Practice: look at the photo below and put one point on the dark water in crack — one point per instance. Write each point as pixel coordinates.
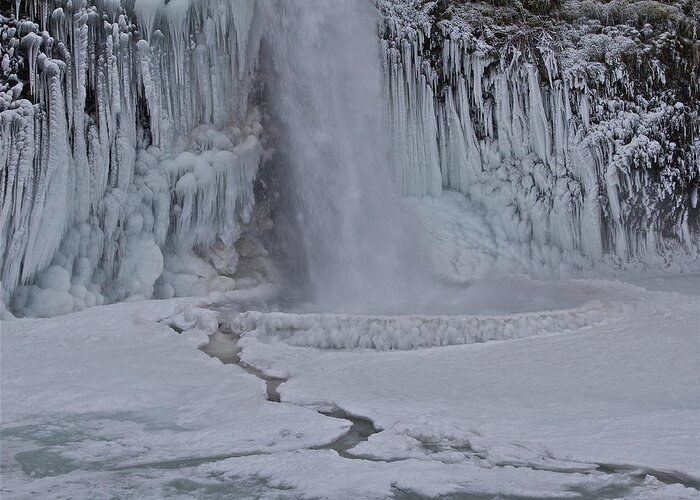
(224, 347)
(359, 432)
(666, 477)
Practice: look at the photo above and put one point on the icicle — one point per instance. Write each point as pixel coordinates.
(571, 144)
(88, 192)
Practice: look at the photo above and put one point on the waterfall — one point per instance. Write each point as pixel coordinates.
(328, 97)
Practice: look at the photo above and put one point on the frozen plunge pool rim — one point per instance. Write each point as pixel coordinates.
(449, 315)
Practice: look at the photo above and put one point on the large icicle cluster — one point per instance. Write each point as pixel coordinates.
(127, 136)
(130, 139)
(577, 139)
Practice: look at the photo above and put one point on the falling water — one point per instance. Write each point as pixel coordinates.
(328, 101)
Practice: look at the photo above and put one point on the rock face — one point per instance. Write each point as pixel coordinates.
(575, 131)
(131, 136)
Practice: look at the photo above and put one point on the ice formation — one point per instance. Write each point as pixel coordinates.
(581, 141)
(593, 302)
(133, 138)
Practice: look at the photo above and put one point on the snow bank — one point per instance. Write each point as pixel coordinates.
(109, 403)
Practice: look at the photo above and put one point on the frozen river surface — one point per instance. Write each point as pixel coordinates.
(593, 397)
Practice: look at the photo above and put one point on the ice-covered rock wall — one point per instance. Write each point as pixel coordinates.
(128, 143)
(130, 136)
(576, 133)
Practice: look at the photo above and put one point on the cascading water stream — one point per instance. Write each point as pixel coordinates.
(327, 96)
(362, 244)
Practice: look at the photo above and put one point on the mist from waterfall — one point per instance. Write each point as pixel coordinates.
(327, 97)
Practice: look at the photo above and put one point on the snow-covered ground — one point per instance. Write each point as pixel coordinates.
(111, 390)
(111, 402)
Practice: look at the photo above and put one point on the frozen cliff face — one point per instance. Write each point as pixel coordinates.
(131, 138)
(575, 134)
(127, 134)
